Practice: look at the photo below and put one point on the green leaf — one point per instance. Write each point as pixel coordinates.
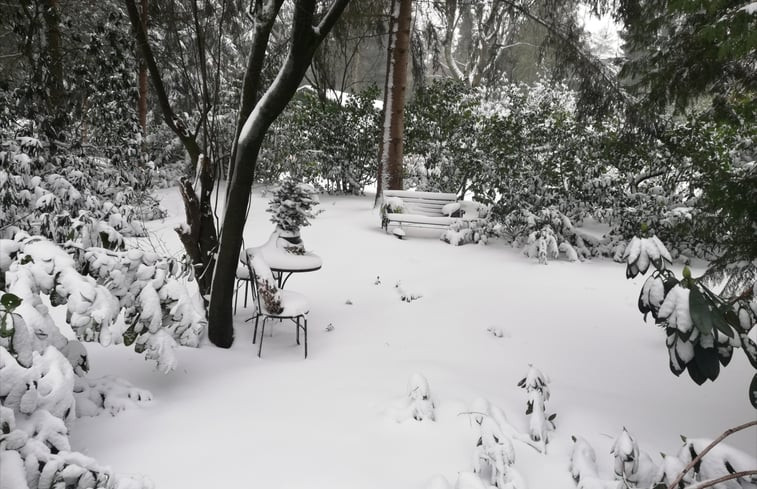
(753, 391)
(10, 301)
(701, 311)
(707, 361)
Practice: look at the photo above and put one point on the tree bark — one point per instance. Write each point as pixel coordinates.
(394, 102)
(264, 17)
(382, 159)
(142, 102)
(55, 95)
(305, 39)
(199, 238)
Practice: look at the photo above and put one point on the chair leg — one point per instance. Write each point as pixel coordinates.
(236, 296)
(306, 336)
(246, 291)
(255, 331)
(262, 333)
(297, 322)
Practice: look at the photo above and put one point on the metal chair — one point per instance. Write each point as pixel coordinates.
(271, 302)
(243, 280)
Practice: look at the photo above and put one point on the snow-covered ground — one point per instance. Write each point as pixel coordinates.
(226, 418)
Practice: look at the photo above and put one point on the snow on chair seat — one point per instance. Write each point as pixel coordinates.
(271, 302)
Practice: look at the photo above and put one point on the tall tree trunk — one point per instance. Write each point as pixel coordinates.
(394, 98)
(55, 95)
(142, 102)
(199, 237)
(305, 39)
(264, 17)
(382, 159)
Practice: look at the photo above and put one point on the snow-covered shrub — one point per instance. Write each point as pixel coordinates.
(292, 205)
(545, 234)
(394, 205)
(537, 392)
(630, 464)
(407, 294)
(327, 139)
(69, 197)
(702, 328)
(720, 461)
(121, 300)
(583, 467)
(461, 232)
(421, 405)
(40, 394)
(127, 297)
(494, 455)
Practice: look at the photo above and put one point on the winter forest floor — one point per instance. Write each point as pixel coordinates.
(226, 418)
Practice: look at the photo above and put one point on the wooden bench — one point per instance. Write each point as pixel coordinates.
(423, 209)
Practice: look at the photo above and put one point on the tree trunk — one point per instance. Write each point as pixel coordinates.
(394, 98)
(382, 159)
(263, 21)
(305, 40)
(55, 95)
(142, 102)
(199, 237)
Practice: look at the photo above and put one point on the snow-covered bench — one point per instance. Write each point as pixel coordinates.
(425, 209)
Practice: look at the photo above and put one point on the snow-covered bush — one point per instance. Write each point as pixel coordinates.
(329, 140)
(631, 465)
(126, 297)
(292, 205)
(722, 460)
(702, 328)
(494, 455)
(417, 405)
(122, 298)
(421, 405)
(40, 393)
(477, 231)
(64, 196)
(545, 234)
(583, 467)
(536, 385)
(634, 468)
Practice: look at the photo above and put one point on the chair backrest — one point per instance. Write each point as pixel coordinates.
(264, 288)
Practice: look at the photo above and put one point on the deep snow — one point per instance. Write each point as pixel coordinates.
(226, 418)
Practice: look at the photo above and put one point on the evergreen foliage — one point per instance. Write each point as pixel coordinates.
(292, 205)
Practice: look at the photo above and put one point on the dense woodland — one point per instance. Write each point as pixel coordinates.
(512, 104)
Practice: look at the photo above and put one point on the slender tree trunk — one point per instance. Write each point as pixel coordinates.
(142, 102)
(55, 95)
(305, 40)
(394, 99)
(199, 237)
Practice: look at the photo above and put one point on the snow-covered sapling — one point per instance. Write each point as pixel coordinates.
(631, 465)
(494, 454)
(421, 406)
(537, 391)
(583, 467)
(405, 294)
